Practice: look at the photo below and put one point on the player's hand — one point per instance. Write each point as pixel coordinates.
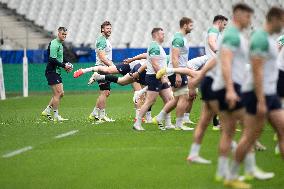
(232, 98)
(192, 93)
(68, 67)
(127, 61)
(261, 108)
(164, 79)
(178, 81)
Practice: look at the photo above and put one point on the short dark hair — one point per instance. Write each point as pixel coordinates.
(61, 28)
(105, 23)
(243, 7)
(219, 17)
(184, 20)
(274, 12)
(155, 30)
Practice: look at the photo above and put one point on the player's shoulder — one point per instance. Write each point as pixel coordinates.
(212, 30)
(280, 40)
(178, 40)
(154, 48)
(231, 36)
(259, 39)
(101, 39)
(55, 43)
(231, 31)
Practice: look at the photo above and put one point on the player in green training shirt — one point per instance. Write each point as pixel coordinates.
(53, 73)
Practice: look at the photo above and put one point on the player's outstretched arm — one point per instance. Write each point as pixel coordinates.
(138, 57)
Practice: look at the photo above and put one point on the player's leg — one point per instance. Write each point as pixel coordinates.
(58, 93)
(205, 118)
(184, 71)
(102, 69)
(276, 118)
(228, 123)
(151, 97)
(166, 95)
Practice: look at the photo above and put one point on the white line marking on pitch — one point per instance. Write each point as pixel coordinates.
(66, 134)
(16, 152)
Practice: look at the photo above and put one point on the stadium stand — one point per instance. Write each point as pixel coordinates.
(132, 20)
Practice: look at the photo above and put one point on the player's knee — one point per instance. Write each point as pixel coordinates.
(107, 93)
(61, 94)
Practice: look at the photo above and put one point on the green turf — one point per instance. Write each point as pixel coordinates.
(109, 155)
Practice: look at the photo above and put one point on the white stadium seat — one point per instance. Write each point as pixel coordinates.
(130, 19)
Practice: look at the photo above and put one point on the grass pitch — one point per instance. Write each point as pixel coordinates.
(109, 155)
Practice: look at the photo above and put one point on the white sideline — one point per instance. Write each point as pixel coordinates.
(16, 152)
(66, 134)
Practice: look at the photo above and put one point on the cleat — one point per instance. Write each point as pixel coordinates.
(216, 128)
(59, 119)
(197, 159)
(171, 126)
(219, 178)
(78, 73)
(155, 121)
(138, 127)
(188, 121)
(93, 118)
(161, 127)
(107, 119)
(258, 174)
(259, 147)
(236, 184)
(161, 73)
(93, 78)
(184, 128)
(46, 115)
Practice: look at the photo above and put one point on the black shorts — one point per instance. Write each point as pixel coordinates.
(250, 101)
(123, 69)
(104, 85)
(172, 79)
(280, 84)
(207, 93)
(155, 84)
(53, 78)
(220, 96)
(142, 75)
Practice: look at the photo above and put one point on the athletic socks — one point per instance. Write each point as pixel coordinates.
(194, 151)
(234, 171)
(170, 70)
(161, 116)
(137, 113)
(168, 120)
(179, 121)
(102, 113)
(91, 69)
(96, 111)
(249, 162)
(223, 166)
(55, 113)
(48, 109)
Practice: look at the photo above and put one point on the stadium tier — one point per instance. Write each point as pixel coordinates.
(132, 20)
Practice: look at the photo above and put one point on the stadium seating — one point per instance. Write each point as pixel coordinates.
(132, 20)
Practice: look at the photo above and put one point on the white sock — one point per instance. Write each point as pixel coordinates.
(101, 77)
(55, 113)
(137, 113)
(148, 115)
(223, 166)
(170, 70)
(250, 162)
(168, 120)
(234, 171)
(86, 70)
(161, 116)
(282, 102)
(48, 109)
(179, 121)
(142, 91)
(96, 111)
(138, 121)
(194, 151)
(186, 116)
(102, 113)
